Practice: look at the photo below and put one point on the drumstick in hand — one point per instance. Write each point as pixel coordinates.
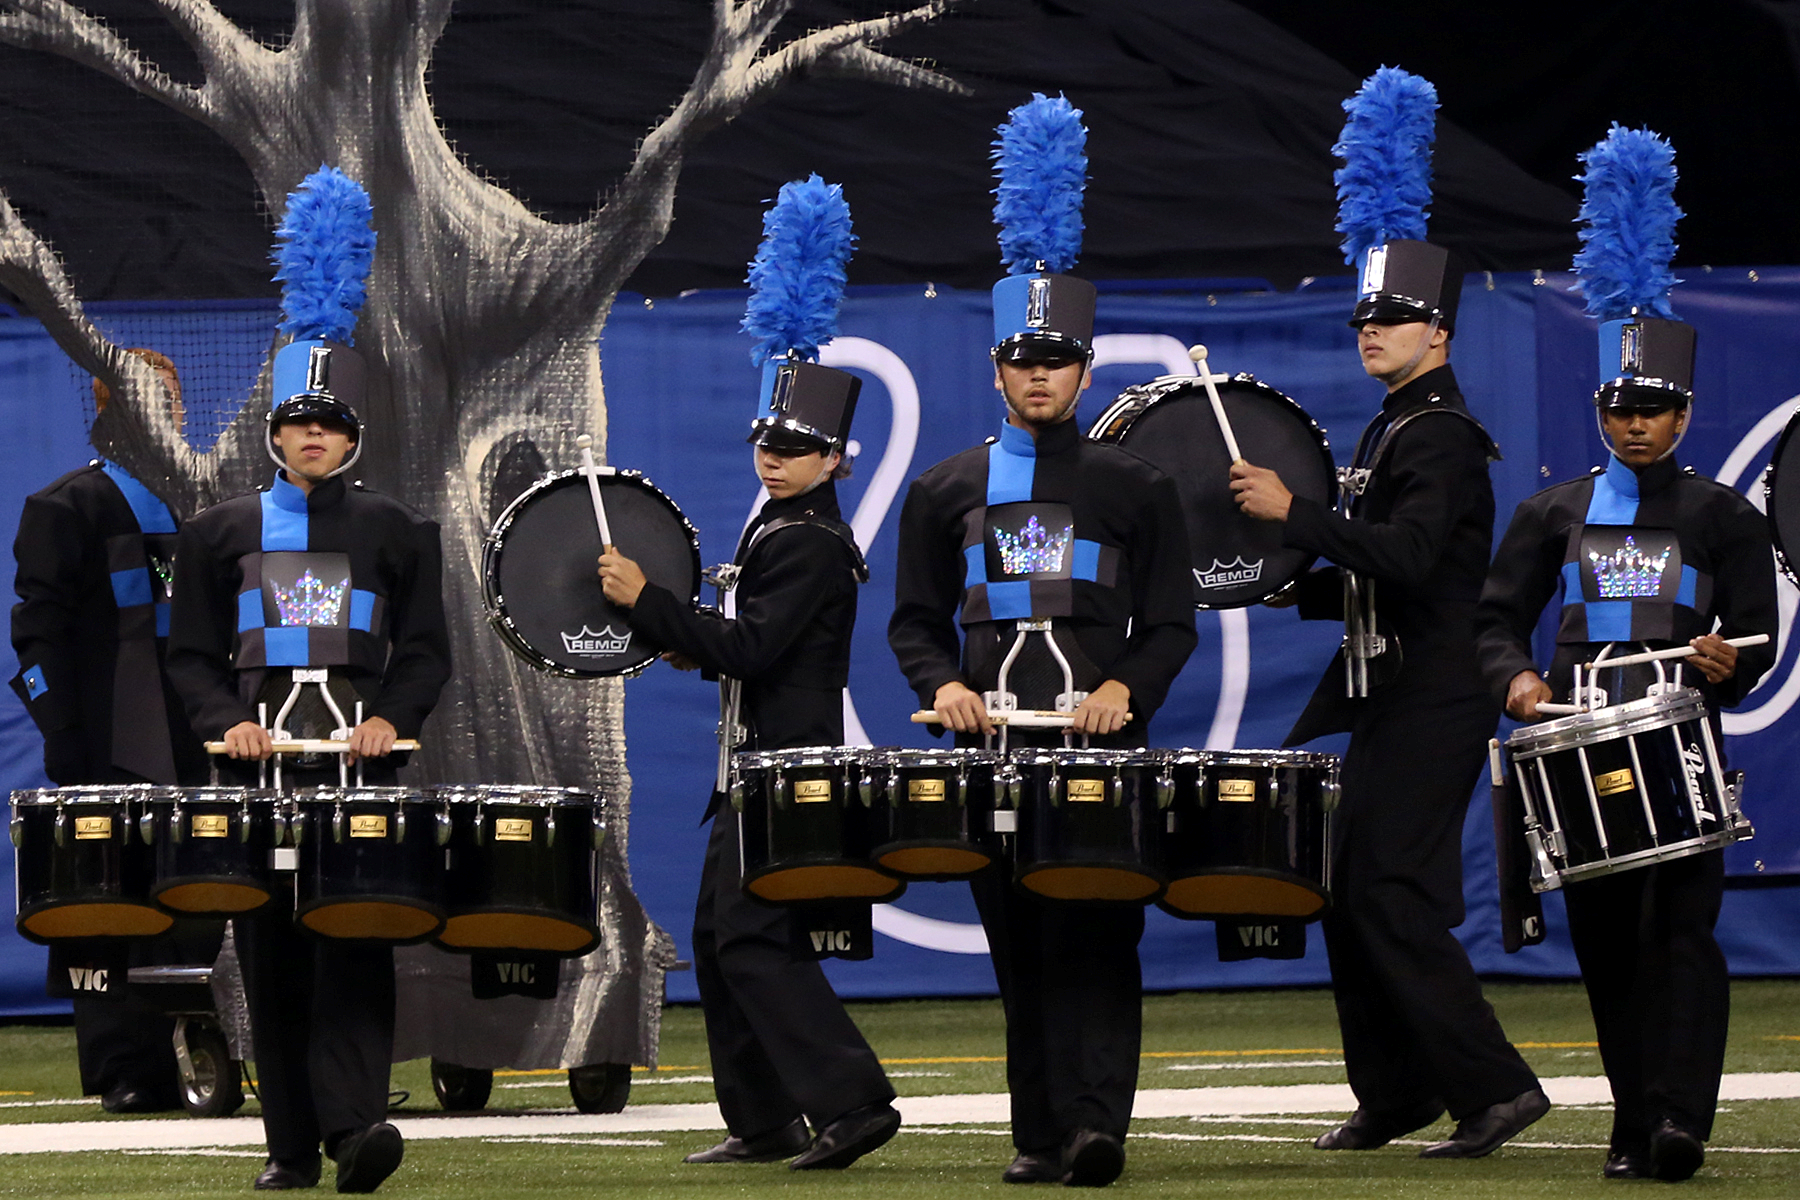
(585, 444)
(1197, 354)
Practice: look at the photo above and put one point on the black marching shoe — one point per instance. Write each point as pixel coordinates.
(1484, 1132)
(366, 1158)
(1621, 1164)
(1045, 1166)
(1367, 1130)
(778, 1144)
(1675, 1154)
(849, 1138)
(127, 1098)
(278, 1176)
(1092, 1159)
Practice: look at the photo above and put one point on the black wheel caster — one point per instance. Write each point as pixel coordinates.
(211, 1083)
(601, 1088)
(461, 1089)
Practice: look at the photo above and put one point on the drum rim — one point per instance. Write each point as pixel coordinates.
(493, 546)
(89, 793)
(758, 760)
(1686, 848)
(331, 794)
(955, 755)
(221, 794)
(1127, 407)
(1256, 758)
(1580, 730)
(1782, 557)
(1038, 756)
(546, 797)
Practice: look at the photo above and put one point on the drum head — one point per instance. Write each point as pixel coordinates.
(541, 583)
(1237, 560)
(1782, 499)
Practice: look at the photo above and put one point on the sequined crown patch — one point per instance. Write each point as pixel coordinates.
(1033, 549)
(311, 601)
(1628, 573)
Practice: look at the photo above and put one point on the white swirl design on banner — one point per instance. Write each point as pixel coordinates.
(1776, 704)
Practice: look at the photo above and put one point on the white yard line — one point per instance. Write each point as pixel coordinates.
(925, 1114)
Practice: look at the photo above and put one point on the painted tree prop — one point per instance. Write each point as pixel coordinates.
(480, 329)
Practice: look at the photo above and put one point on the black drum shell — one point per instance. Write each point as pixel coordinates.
(1237, 560)
(1262, 854)
(386, 889)
(86, 886)
(942, 830)
(203, 873)
(797, 851)
(1103, 851)
(537, 893)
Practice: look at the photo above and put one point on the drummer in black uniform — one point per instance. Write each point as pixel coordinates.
(1655, 976)
(1410, 555)
(1121, 607)
(314, 572)
(783, 1048)
(94, 552)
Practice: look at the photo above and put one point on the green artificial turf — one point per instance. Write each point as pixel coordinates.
(945, 1046)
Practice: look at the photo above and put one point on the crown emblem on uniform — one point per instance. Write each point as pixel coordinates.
(1033, 549)
(311, 601)
(605, 642)
(1628, 572)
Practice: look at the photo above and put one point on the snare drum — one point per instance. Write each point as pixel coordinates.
(371, 863)
(934, 811)
(1249, 833)
(1088, 823)
(805, 826)
(1237, 560)
(541, 586)
(1623, 787)
(211, 847)
(521, 872)
(80, 867)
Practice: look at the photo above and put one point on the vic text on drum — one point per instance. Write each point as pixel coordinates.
(1642, 552)
(316, 584)
(95, 551)
(1409, 546)
(1040, 534)
(784, 1051)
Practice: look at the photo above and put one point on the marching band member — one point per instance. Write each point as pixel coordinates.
(783, 1048)
(1410, 555)
(314, 572)
(1643, 551)
(94, 552)
(1115, 583)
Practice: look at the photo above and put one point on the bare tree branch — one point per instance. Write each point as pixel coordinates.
(61, 28)
(138, 425)
(217, 41)
(774, 69)
(860, 62)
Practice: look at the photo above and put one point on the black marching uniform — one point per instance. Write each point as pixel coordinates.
(338, 577)
(1417, 1031)
(783, 1047)
(1655, 976)
(94, 553)
(1068, 973)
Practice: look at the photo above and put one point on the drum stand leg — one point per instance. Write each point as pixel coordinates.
(319, 677)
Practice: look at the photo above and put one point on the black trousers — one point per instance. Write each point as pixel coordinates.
(1073, 993)
(322, 1020)
(1415, 1025)
(1659, 989)
(782, 1045)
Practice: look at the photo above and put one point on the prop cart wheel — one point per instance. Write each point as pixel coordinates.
(601, 1088)
(461, 1089)
(211, 1084)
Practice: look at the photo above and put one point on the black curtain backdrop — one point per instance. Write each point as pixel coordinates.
(1210, 127)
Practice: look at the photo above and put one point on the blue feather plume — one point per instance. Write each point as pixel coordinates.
(797, 278)
(1041, 158)
(1384, 186)
(1628, 213)
(326, 246)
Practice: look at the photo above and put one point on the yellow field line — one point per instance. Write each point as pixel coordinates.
(1784, 1037)
(1557, 1045)
(18, 1093)
(562, 1071)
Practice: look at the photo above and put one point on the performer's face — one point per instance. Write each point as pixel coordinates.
(312, 449)
(1388, 350)
(1041, 392)
(1640, 438)
(785, 473)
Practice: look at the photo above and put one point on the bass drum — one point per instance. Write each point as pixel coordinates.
(1781, 499)
(1169, 423)
(540, 576)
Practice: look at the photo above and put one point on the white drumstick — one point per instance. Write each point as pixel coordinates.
(1632, 660)
(585, 444)
(1197, 354)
